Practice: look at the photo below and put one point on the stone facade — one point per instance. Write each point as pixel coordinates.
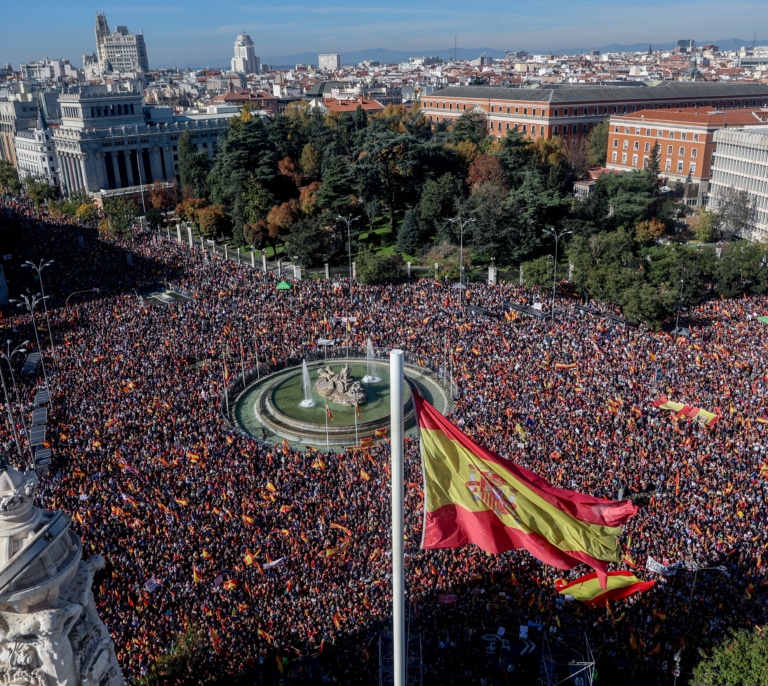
(36, 154)
(50, 632)
(109, 140)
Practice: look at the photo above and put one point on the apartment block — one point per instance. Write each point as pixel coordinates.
(741, 164)
(686, 140)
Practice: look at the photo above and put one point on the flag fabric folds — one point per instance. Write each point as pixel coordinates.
(587, 588)
(474, 496)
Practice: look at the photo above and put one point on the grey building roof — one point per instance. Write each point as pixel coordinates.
(640, 91)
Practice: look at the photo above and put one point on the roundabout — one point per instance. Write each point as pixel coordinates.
(287, 404)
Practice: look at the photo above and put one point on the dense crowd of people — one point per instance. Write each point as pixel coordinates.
(278, 555)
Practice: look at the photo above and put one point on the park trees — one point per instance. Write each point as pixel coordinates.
(597, 145)
(120, 214)
(9, 178)
(38, 190)
(194, 166)
(741, 659)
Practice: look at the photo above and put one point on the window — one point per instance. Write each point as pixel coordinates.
(636, 145)
(575, 128)
(695, 137)
(616, 129)
(614, 156)
(584, 128)
(634, 160)
(682, 152)
(647, 147)
(682, 135)
(565, 112)
(679, 166)
(525, 110)
(625, 145)
(647, 132)
(694, 153)
(557, 113)
(554, 132)
(668, 165)
(692, 169)
(637, 131)
(671, 134)
(623, 158)
(669, 150)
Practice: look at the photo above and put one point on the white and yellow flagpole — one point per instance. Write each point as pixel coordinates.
(396, 379)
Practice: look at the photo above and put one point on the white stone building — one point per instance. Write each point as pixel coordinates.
(329, 61)
(50, 631)
(245, 60)
(119, 51)
(36, 152)
(108, 141)
(741, 164)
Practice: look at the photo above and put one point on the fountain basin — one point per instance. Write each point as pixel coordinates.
(273, 405)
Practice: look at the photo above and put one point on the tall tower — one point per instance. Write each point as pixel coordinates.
(245, 60)
(102, 32)
(50, 632)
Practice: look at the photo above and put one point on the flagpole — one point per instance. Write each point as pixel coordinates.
(357, 439)
(327, 439)
(398, 450)
(226, 391)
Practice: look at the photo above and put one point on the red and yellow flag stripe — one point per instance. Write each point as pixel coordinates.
(587, 588)
(474, 496)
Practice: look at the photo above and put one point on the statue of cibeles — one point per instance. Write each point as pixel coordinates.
(340, 388)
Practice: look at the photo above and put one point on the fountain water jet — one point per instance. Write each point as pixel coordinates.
(307, 385)
(370, 365)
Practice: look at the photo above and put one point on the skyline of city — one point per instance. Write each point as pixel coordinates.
(191, 34)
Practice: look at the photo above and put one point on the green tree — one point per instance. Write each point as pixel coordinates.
(180, 665)
(741, 269)
(337, 194)
(9, 178)
(438, 203)
(310, 162)
(539, 272)
(313, 243)
(388, 167)
(410, 237)
(120, 213)
(652, 169)
(703, 225)
(597, 145)
(473, 127)
(734, 215)
(194, 165)
(38, 190)
(87, 212)
(740, 660)
(373, 268)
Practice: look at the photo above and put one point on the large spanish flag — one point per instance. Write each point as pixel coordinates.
(587, 588)
(474, 496)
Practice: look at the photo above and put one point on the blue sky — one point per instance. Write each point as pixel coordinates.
(200, 32)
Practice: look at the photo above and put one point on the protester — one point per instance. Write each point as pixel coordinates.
(205, 527)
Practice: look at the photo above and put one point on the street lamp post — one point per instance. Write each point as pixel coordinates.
(30, 304)
(86, 290)
(557, 235)
(679, 307)
(348, 221)
(8, 357)
(38, 268)
(462, 223)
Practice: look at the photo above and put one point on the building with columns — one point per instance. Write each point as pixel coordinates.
(109, 141)
(35, 152)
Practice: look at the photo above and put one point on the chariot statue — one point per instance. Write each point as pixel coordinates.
(340, 387)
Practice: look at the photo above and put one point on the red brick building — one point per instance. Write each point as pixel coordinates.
(686, 143)
(574, 109)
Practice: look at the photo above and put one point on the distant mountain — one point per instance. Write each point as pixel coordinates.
(385, 56)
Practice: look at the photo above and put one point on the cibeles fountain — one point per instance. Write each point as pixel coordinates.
(331, 401)
(50, 632)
